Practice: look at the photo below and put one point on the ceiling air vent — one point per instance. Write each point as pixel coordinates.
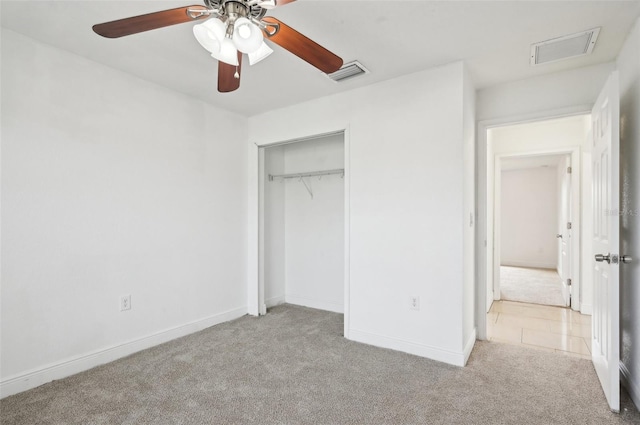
(348, 70)
(560, 48)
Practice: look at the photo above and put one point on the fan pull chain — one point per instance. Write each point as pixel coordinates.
(236, 75)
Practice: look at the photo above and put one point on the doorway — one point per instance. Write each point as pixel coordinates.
(538, 138)
(302, 218)
(599, 153)
(533, 207)
(534, 261)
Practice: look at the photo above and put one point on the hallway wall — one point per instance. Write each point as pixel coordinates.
(529, 218)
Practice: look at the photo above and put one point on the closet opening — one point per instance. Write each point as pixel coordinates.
(302, 222)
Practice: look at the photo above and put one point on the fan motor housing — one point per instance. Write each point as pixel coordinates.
(235, 6)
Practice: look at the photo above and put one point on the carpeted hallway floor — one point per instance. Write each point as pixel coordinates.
(293, 367)
(528, 285)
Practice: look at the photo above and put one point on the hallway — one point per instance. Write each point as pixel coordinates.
(529, 285)
(547, 328)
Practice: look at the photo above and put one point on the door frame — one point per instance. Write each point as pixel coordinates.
(255, 271)
(575, 154)
(566, 213)
(481, 191)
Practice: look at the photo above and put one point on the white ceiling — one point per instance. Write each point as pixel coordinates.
(391, 38)
(532, 161)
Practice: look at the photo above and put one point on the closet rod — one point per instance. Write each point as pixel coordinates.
(309, 174)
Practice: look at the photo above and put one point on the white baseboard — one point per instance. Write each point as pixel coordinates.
(528, 264)
(632, 386)
(468, 347)
(274, 301)
(36, 377)
(314, 303)
(586, 309)
(442, 355)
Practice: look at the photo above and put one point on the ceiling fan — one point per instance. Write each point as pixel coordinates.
(229, 29)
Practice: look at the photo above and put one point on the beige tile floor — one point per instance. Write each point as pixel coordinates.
(554, 329)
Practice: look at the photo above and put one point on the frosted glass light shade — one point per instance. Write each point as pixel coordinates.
(227, 53)
(247, 37)
(262, 52)
(210, 34)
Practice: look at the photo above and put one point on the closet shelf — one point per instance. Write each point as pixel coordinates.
(308, 174)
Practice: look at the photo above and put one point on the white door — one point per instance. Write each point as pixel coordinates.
(565, 233)
(605, 349)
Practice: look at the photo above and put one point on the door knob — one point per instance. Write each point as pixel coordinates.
(600, 258)
(559, 236)
(625, 259)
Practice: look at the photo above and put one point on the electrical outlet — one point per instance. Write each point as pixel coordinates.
(125, 302)
(414, 303)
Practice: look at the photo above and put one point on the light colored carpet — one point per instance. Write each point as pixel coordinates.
(293, 367)
(536, 286)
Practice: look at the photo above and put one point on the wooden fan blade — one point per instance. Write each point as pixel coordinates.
(226, 75)
(301, 46)
(283, 2)
(150, 21)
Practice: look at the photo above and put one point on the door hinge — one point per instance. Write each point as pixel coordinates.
(569, 225)
(569, 170)
(570, 292)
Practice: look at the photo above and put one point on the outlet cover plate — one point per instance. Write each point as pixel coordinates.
(414, 303)
(125, 302)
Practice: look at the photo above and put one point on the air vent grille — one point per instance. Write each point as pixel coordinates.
(566, 47)
(348, 70)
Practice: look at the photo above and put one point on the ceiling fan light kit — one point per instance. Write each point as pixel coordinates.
(210, 34)
(231, 28)
(227, 53)
(263, 51)
(247, 36)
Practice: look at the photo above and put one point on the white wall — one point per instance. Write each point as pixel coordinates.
(544, 136)
(405, 157)
(314, 232)
(111, 186)
(629, 69)
(469, 207)
(529, 217)
(550, 92)
(274, 228)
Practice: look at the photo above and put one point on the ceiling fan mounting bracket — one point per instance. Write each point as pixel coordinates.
(252, 10)
(235, 9)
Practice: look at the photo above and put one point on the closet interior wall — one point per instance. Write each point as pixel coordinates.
(304, 225)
